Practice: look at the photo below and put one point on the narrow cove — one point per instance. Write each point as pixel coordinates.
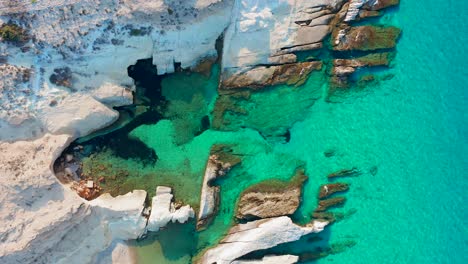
(175, 121)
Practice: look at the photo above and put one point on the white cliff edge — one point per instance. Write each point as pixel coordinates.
(89, 45)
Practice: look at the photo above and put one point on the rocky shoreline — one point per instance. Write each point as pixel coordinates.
(63, 68)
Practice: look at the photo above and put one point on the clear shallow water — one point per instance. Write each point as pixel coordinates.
(412, 128)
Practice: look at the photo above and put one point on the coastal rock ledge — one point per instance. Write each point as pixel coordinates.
(256, 235)
(271, 198)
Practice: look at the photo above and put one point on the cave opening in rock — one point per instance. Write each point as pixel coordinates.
(147, 108)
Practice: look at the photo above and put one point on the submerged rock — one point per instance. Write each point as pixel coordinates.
(371, 60)
(261, 76)
(261, 234)
(163, 210)
(344, 173)
(324, 205)
(271, 198)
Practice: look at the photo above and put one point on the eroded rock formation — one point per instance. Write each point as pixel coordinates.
(219, 163)
(261, 234)
(44, 106)
(271, 198)
(163, 210)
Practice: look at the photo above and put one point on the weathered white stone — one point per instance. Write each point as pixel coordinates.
(354, 7)
(261, 29)
(163, 210)
(209, 197)
(261, 234)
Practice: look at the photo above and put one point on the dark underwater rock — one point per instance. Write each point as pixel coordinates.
(324, 205)
(345, 173)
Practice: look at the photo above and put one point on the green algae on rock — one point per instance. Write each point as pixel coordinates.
(13, 33)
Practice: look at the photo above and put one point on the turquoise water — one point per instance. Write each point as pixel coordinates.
(407, 135)
(413, 128)
(410, 131)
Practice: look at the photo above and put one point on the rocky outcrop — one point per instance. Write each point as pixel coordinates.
(271, 198)
(50, 219)
(59, 79)
(365, 38)
(261, 234)
(269, 33)
(325, 204)
(85, 47)
(163, 210)
(259, 77)
(284, 259)
(327, 190)
(344, 68)
(124, 213)
(219, 163)
(380, 4)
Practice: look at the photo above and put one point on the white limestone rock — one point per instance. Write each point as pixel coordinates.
(354, 8)
(123, 213)
(45, 221)
(77, 115)
(118, 253)
(163, 211)
(261, 29)
(270, 259)
(261, 234)
(96, 41)
(209, 197)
